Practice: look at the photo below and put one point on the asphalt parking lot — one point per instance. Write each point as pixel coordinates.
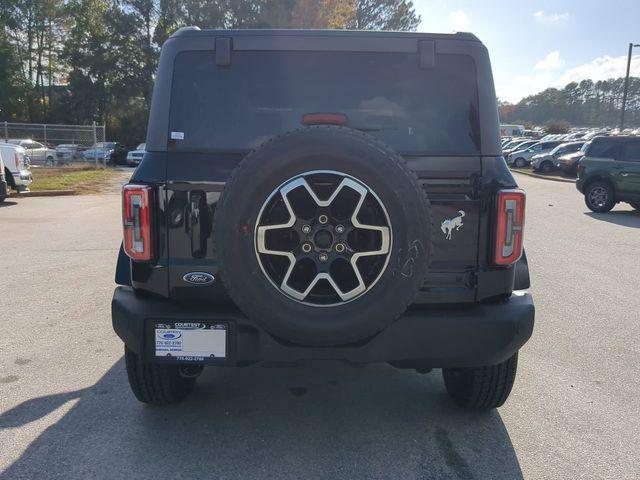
(66, 410)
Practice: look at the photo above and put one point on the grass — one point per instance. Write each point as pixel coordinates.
(81, 179)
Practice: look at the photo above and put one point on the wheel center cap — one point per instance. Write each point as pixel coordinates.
(323, 239)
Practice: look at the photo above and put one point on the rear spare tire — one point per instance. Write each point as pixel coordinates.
(322, 236)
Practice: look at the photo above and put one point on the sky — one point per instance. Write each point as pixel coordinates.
(535, 45)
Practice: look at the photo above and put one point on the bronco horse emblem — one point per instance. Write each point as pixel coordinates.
(448, 225)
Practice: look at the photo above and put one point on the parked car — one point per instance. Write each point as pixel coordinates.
(522, 158)
(108, 152)
(546, 162)
(4, 189)
(569, 163)
(323, 231)
(16, 166)
(39, 154)
(69, 152)
(505, 140)
(134, 156)
(516, 145)
(610, 173)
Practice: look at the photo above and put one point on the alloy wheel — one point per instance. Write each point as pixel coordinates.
(323, 238)
(598, 196)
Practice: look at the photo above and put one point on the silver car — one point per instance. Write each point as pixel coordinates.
(522, 158)
(38, 153)
(546, 162)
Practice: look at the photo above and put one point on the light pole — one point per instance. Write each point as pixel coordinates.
(626, 86)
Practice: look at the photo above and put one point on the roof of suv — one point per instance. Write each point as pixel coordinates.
(192, 31)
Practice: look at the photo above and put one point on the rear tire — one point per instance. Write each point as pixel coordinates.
(9, 178)
(599, 197)
(155, 383)
(481, 387)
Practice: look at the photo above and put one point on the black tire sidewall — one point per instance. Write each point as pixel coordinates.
(351, 153)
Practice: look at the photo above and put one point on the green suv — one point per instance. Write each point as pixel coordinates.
(610, 173)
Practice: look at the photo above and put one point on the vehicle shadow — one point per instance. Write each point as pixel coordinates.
(7, 203)
(625, 218)
(315, 421)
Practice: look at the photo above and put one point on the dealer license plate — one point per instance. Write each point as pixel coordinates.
(191, 341)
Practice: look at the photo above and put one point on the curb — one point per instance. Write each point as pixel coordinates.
(553, 179)
(43, 193)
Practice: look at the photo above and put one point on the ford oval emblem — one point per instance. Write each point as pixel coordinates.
(198, 278)
(169, 334)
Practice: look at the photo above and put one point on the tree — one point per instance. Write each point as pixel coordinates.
(385, 15)
(145, 14)
(557, 126)
(78, 61)
(585, 103)
(13, 85)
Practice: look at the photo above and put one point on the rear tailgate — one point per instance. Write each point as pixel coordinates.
(417, 96)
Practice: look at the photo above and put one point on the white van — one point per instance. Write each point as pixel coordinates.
(4, 191)
(16, 166)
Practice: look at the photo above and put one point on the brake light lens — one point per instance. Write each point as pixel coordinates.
(509, 226)
(137, 222)
(325, 119)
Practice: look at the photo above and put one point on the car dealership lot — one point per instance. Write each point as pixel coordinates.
(67, 412)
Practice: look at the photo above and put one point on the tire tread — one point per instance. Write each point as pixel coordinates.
(483, 387)
(156, 384)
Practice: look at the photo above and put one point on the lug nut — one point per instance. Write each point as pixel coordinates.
(323, 219)
(339, 229)
(306, 229)
(306, 247)
(340, 247)
(323, 257)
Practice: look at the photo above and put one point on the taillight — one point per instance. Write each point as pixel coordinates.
(509, 226)
(325, 119)
(137, 222)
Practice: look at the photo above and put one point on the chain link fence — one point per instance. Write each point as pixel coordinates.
(53, 144)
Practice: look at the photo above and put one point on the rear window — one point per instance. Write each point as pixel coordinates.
(262, 94)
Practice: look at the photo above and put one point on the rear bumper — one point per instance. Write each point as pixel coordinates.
(431, 337)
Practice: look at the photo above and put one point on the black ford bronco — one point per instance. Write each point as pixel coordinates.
(333, 195)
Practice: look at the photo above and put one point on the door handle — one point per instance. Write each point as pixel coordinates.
(198, 220)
